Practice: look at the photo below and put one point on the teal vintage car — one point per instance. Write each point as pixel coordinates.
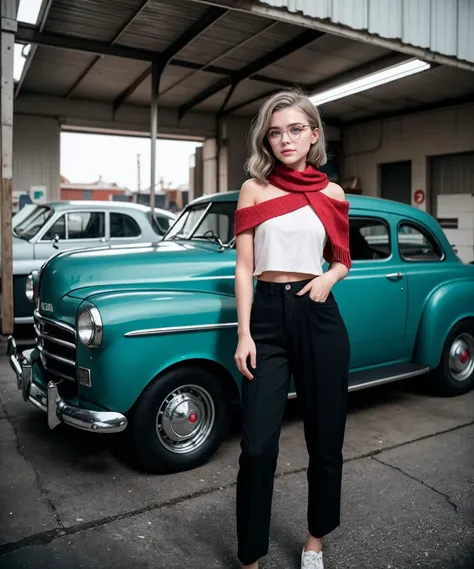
(141, 339)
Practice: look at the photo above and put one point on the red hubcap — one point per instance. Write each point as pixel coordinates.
(464, 357)
(192, 418)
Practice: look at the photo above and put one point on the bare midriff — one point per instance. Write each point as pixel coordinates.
(279, 277)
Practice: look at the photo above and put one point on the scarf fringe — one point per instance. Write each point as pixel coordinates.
(335, 253)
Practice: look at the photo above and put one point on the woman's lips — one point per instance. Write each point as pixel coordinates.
(287, 151)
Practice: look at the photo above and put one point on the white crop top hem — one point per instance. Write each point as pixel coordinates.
(291, 243)
(280, 269)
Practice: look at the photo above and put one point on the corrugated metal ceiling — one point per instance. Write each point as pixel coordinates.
(443, 27)
(233, 41)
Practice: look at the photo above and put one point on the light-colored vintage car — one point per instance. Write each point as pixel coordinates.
(142, 339)
(44, 230)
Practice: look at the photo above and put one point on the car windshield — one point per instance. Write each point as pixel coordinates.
(208, 221)
(33, 222)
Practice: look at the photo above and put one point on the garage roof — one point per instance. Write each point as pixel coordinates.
(216, 59)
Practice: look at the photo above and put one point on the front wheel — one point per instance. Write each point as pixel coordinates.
(179, 421)
(455, 373)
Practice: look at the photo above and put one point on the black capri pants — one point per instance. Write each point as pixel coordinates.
(294, 335)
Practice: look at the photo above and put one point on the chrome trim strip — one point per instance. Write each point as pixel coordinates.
(24, 320)
(381, 381)
(388, 379)
(53, 339)
(55, 357)
(59, 374)
(57, 323)
(177, 329)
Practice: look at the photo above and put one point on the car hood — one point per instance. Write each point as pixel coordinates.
(83, 273)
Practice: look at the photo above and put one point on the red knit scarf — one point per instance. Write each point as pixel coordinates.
(303, 188)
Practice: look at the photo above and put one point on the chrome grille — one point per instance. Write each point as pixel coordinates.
(57, 347)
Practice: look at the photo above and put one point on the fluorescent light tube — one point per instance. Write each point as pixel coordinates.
(370, 81)
(28, 11)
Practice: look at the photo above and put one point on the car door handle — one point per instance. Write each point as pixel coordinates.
(394, 276)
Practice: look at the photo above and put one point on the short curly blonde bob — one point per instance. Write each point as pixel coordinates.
(261, 160)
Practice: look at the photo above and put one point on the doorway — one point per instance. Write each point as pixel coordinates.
(395, 181)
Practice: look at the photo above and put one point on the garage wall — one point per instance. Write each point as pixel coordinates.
(36, 154)
(412, 137)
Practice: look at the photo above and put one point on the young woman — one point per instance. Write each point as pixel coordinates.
(289, 220)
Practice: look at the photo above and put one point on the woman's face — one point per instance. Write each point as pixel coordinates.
(290, 137)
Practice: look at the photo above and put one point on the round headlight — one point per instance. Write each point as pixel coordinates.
(29, 288)
(89, 327)
(32, 286)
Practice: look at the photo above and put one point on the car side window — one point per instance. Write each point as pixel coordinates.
(58, 228)
(417, 244)
(122, 225)
(86, 225)
(369, 239)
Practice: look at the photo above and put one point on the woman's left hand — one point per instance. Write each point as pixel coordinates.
(319, 288)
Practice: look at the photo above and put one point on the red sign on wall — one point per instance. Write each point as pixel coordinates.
(419, 196)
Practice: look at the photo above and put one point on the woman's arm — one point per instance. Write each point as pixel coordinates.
(337, 271)
(244, 285)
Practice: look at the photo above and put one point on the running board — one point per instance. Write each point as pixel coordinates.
(378, 376)
(387, 374)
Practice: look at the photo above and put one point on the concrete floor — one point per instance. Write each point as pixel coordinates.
(68, 500)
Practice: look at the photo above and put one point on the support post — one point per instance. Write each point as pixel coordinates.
(8, 29)
(155, 90)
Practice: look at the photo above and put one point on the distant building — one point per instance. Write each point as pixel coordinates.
(166, 197)
(99, 190)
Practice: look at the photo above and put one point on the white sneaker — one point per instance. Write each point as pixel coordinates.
(311, 560)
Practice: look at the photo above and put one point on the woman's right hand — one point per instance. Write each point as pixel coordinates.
(246, 348)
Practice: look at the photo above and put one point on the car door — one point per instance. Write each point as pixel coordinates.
(46, 238)
(423, 262)
(75, 229)
(373, 297)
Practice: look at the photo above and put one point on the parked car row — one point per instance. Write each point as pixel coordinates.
(40, 231)
(140, 339)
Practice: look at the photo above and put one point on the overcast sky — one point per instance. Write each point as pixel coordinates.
(85, 157)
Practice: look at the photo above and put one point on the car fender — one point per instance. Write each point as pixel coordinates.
(147, 332)
(447, 305)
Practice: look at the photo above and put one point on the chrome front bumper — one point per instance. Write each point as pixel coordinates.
(50, 402)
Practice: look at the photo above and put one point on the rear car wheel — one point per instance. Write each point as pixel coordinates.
(455, 373)
(179, 421)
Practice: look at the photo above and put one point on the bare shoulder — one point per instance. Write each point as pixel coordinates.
(335, 191)
(248, 192)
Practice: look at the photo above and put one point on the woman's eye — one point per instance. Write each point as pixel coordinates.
(274, 133)
(296, 130)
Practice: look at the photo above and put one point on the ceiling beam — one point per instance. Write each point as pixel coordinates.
(224, 71)
(31, 34)
(42, 18)
(97, 58)
(235, 77)
(190, 34)
(335, 80)
(226, 53)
